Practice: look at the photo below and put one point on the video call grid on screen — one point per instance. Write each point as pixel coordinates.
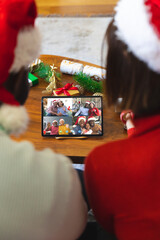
(72, 116)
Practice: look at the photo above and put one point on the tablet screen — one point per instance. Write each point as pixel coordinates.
(76, 116)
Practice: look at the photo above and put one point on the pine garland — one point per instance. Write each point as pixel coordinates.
(44, 71)
(88, 83)
(58, 75)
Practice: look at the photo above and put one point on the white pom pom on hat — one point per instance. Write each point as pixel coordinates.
(138, 26)
(20, 45)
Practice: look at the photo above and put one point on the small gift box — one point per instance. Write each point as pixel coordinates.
(32, 80)
(67, 90)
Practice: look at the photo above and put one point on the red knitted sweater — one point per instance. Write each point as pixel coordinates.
(123, 183)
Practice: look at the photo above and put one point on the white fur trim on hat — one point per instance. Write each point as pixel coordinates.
(27, 49)
(93, 103)
(134, 28)
(91, 119)
(14, 119)
(61, 119)
(55, 121)
(81, 118)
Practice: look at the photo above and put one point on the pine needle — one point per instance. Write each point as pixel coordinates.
(88, 83)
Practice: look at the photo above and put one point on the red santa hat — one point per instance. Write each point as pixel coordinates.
(93, 103)
(79, 119)
(55, 101)
(138, 24)
(20, 45)
(19, 40)
(91, 119)
(88, 102)
(55, 121)
(61, 119)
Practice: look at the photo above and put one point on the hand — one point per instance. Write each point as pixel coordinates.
(64, 109)
(53, 113)
(126, 115)
(83, 131)
(127, 118)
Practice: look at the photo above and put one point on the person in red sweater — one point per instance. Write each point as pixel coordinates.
(122, 177)
(54, 128)
(93, 111)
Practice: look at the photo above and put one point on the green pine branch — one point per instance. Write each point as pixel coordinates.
(44, 71)
(88, 83)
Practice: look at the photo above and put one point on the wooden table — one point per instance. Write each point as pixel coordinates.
(77, 149)
(74, 8)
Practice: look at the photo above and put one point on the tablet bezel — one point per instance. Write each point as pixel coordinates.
(68, 136)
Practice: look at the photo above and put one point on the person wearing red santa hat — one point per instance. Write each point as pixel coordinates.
(79, 125)
(54, 128)
(96, 128)
(40, 193)
(52, 110)
(124, 174)
(63, 128)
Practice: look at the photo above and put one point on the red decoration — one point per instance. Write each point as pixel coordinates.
(65, 89)
(80, 118)
(154, 6)
(21, 13)
(14, 15)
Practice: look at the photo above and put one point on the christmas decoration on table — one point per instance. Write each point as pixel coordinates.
(96, 73)
(71, 68)
(68, 90)
(88, 83)
(103, 96)
(32, 80)
(35, 65)
(81, 89)
(44, 71)
(49, 74)
(52, 80)
(98, 94)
